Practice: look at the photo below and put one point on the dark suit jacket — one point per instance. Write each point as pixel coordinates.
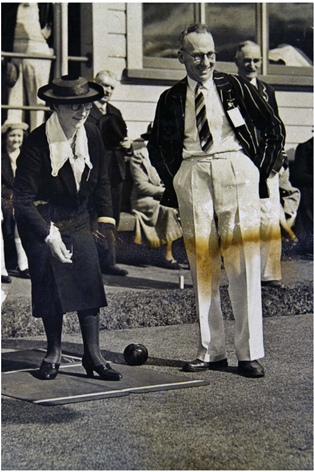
(166, 142)
(7, 181)
(115, 154)
(39, 199)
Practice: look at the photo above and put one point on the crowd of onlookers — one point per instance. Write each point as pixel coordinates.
(288, 210)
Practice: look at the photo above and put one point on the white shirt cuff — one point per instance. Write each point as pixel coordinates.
(106, 219)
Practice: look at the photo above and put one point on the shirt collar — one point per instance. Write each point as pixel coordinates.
(254, 82)
(60, 148)
(101, 106)
(192, 83)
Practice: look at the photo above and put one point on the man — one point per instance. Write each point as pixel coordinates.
(205, 149)
(117, 145)
(27, 28)
(248, 60)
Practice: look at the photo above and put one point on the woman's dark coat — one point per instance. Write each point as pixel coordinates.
(39, 199)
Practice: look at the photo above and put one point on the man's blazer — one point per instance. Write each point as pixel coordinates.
(114, 130)
(166, 141)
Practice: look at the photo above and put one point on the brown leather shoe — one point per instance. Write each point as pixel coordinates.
(251, 369)
(198, 366)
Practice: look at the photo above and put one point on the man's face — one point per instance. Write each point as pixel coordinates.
(198, 56)
(249, 61)
(108, 84)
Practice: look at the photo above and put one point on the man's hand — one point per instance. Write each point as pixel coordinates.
(105, 234)
(57, 246)
(126, 144)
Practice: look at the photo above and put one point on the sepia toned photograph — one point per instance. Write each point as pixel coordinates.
(157, 236)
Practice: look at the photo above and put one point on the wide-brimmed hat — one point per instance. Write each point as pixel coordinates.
(146, 135)
(67, 90)
(8, 125)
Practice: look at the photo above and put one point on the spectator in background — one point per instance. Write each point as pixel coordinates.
(26, 28)
(156, 225)
(248, 60)
(117, 146)
(205, 149)
(12, 139)
(302, 178)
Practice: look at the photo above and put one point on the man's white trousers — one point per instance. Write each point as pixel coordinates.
(270, 232)
(220, 214)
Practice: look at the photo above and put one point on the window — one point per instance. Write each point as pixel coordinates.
(290, 34)
(153, 30)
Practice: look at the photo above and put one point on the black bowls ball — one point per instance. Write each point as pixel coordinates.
(135, 354)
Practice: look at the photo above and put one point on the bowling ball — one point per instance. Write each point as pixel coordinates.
(135, 354)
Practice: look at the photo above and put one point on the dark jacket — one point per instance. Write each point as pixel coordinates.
(39, 199)
(7, 181)
(114, 130)
(166, 142)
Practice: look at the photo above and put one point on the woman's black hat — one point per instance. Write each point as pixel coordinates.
(67, 90)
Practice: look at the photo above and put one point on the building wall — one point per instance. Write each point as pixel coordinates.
(138, 102)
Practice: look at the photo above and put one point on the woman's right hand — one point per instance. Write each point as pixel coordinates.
(57, 247)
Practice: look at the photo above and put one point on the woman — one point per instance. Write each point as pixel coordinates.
(60, 176)
(12, 139)
(156, 225)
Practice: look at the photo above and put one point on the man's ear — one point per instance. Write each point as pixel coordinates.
(181, 57)
(236, 61)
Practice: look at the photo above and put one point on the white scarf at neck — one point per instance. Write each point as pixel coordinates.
(60, 149)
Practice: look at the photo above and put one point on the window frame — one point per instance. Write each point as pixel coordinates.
(169, 69)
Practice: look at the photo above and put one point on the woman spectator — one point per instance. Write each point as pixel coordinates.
(156, 225)
(60, 176)
(12, 139)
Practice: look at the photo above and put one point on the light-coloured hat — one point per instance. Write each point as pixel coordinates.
(69, 90)
(8, 125)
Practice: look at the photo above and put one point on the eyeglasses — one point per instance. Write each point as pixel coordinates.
(198, 58)
(77, 106)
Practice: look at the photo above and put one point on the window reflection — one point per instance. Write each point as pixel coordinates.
(291, 34)
(230, 23)
(162, 24)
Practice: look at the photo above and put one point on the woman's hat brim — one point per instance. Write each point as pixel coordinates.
(96, 92)
(13, 125)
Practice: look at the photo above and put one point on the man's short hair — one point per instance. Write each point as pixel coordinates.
(243, 44)
(105, 73)
(194, 28)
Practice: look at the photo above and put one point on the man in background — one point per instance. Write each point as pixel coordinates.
(283, 202)
(117, 146)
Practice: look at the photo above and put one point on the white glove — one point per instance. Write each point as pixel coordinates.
(57, 246)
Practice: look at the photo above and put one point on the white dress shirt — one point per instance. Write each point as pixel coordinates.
(224, 139)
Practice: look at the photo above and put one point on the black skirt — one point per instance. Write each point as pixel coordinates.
(70, 287)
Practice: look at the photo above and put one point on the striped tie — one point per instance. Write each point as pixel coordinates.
(201, 119)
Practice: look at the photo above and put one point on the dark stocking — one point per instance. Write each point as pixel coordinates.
(53, 328)
(89, 322)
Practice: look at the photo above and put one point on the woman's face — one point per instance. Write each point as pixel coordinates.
(14, 139)
(72, 117)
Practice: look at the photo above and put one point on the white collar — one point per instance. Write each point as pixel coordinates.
(192, 83)
(59, 145)
(254, 82)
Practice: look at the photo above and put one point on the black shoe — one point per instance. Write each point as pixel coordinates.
(251, 369)
(48, 370)
(114, 270)
(218, 365)
(174, 265)
(105, 371)
(199, 366)
(272, 283)
(22, 274)
(6, 279)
